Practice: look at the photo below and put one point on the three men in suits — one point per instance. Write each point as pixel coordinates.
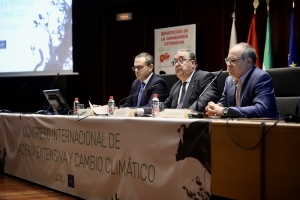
(146, 83)
(248, 90)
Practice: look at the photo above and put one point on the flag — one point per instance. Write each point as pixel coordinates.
(292, 56)
(233, 37)
(268, 52)
(252, 39)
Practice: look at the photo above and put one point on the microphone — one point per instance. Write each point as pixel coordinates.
(4, 109)
(47, 111)
(153, 86)
(200, 114)
(211, 82)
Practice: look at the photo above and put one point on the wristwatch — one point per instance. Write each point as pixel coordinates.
(225, 110)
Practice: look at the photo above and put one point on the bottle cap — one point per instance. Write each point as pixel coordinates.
(76, 98)
(111, 97)
(155, 95)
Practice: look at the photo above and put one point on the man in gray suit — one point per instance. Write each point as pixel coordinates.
(185, 93)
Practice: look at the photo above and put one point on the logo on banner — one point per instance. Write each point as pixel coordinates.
(195, 143)
(60, 178)
(164, 57)
(71, 181)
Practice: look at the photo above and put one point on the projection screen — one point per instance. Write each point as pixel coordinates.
(36, 37)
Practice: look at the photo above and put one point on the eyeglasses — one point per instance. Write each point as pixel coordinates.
(230, 61)
(180, 61)
(137, 67)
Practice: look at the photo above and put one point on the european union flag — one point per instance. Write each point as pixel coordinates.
(292, 56)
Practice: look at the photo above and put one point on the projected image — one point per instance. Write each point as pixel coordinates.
(57, 23)
(36, 36)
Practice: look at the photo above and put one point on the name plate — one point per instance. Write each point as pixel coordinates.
(175, 113)
(123, 113)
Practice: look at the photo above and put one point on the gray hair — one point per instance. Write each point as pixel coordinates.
(149, 58)
(249, 52)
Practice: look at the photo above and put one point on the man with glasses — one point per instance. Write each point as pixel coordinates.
(185, 93)
(146, 83)
(248, 90)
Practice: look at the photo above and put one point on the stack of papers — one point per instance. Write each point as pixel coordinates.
(99, 110)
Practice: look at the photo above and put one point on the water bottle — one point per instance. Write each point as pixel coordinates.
(75, 111)
(155, 105)
(111, 105)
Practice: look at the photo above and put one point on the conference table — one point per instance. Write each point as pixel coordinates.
(100, 157)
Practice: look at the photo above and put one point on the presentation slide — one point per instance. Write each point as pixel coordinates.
(35, 37)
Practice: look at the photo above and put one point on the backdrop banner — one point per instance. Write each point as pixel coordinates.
(168, 41)
(110, 158)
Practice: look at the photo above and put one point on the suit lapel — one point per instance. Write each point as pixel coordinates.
(231, 99)
(176, 94)
(190, 90)
(147, 86)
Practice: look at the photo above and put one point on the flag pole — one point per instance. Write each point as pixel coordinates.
(268, 8)
(255, 5)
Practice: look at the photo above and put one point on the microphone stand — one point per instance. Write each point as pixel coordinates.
(201, 114)
(4, 109)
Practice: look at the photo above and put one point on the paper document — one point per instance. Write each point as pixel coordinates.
(99, 110)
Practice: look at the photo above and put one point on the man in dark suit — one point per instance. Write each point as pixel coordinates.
(143, 68)
(248, 90)
(186, 92)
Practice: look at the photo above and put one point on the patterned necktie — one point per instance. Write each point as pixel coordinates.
(182, 95)
(238, 93)
(140, 94)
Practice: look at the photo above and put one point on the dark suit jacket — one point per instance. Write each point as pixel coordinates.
(192, 100)
(162, 90)
(257, 96)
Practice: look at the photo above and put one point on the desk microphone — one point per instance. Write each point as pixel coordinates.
(201, 114)
(4, 109)
(153, 86)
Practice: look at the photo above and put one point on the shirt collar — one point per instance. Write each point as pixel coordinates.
(189, 78)
(148, 78)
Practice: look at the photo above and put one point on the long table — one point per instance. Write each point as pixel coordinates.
(139, 158)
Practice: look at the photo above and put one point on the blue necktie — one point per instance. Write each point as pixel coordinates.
(182, 95)
(140, 94)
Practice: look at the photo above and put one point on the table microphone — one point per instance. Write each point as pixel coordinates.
(201, 114)
(8, 111)
(153, 86)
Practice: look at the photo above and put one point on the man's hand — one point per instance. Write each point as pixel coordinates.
(213, 109)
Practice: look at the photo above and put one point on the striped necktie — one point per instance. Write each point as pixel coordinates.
(140, 94)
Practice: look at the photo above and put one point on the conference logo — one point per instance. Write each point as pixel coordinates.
(60, 178)
(2, 44)
(71, 182)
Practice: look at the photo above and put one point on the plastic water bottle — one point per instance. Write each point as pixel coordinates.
(111, 105)
(155, 105)
(75, 111)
